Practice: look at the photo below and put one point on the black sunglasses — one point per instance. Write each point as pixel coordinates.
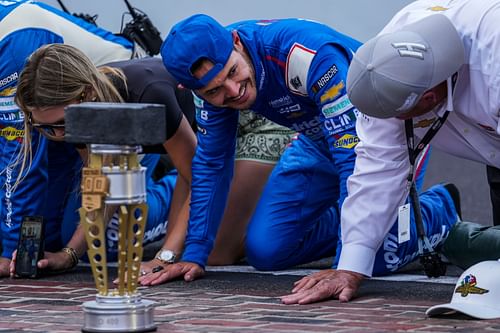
(47, 129)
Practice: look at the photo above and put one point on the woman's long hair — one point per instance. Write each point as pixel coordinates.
(59, 75)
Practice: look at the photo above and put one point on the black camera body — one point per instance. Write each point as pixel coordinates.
(142, 31)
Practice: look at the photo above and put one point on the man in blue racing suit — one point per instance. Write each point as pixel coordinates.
(24, 27)
(293, 72)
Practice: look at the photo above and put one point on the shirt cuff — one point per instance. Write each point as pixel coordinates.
(357, 258)
(197, 252)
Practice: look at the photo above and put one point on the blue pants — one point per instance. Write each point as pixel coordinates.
(297, 219)
(159, 196)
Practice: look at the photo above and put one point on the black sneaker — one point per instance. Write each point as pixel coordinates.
(455, 196)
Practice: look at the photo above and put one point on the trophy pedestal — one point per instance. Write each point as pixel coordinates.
(118, 314)
(115, 178)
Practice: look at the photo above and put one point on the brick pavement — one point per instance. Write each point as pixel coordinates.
(235, 302)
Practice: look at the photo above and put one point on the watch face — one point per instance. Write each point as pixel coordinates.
(167, 256)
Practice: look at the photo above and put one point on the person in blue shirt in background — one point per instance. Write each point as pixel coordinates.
(293, 72)
(24, 27)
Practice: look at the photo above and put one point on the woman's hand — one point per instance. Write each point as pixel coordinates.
(148, 267)
(187, 270)
(52, 261)
(4, 266)
(56, 261)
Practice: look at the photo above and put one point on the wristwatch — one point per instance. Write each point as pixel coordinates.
(166, 256)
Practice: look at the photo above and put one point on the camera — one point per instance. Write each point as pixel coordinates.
(142, 31)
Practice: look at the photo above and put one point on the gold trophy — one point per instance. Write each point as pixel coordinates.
(114, 179)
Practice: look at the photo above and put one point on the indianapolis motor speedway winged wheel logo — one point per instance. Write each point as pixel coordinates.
(469, 286)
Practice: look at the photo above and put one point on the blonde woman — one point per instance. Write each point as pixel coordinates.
(57, 75)
(26, 25)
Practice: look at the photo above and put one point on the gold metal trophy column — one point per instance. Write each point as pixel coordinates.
(115, 181)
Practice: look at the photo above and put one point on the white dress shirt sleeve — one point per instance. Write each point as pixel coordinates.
(376, 189)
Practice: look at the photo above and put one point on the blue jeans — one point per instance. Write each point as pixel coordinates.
(297, 219)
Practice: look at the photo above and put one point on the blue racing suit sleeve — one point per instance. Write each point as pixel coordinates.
(29, 197)
(212, 171)
(338, 115)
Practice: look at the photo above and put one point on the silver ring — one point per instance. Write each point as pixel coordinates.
(143, 272)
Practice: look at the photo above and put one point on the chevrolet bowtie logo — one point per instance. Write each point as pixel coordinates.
(8, 91)
(424, 123)
(332, 92)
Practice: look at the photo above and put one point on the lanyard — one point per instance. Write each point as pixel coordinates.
(412, 155)
(436, 125)
(430, 260)
(410, 140)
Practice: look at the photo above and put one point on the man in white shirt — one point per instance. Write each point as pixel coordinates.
(434, 56)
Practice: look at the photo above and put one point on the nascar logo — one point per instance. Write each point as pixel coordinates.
(6, 80)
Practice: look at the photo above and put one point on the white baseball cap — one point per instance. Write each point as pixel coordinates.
(477, 293)
(390, 72)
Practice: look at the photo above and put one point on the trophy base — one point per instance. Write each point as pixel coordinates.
(118, 314)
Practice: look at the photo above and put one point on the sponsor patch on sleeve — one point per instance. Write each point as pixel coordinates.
(332, 93)
(346, 141)
(337, 107)
(8, 79)
(7, 103)
(297, 68)
(10, 91)
(12, 133)
(340, 123)
(325, 78)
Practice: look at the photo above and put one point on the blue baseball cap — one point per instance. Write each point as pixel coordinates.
(198, 36)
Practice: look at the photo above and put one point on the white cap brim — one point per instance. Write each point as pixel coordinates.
(473, 310)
